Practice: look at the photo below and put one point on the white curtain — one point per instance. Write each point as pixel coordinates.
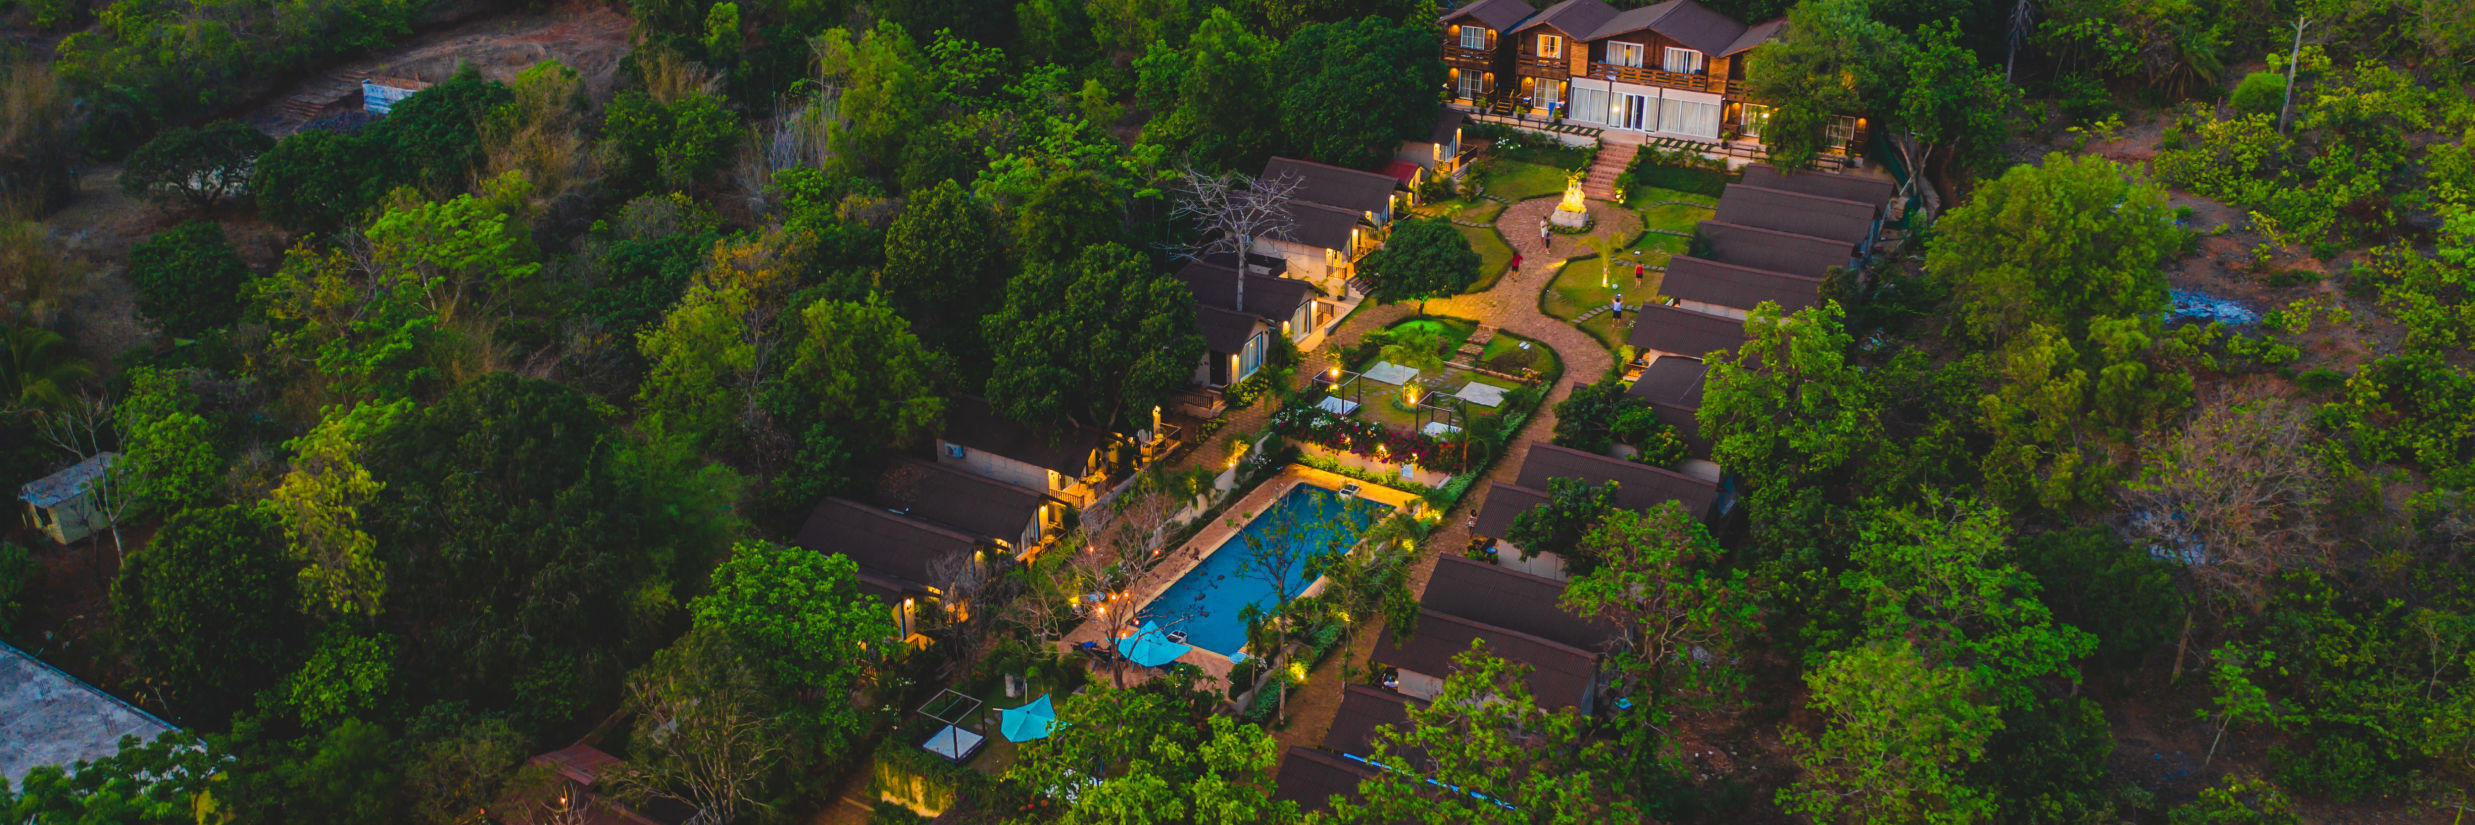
(1591, 105)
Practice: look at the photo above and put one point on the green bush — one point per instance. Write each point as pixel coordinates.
(188, 279)
(202, 165)
(2334, 765)
(1656, 443)
(2259, 93)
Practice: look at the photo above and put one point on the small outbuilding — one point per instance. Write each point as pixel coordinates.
(64, 505)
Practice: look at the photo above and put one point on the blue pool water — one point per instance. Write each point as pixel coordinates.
(1206, 601)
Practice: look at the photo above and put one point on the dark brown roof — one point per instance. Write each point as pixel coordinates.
(1755, 35)
(1505, 501)
(978, 506)
(1711, 282)
(1561, 676)
(1225, 332)
(1638, 486)
(1829, 185)
(1671, 380)
(1799, 213)
(1575, 18)
(1696, 26)
(1362, 710)
(1273, 298)
(971, 422)
(1322, 227)
(1319, 183)
(881, 542)
(1311, 778)
(1447, 121)
(1500, 15)
(1510, 599)
(1684, 332)
(1753, 247)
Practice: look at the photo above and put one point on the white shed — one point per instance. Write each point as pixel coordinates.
(62, 504)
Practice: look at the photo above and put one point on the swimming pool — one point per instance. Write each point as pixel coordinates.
(1206, 601)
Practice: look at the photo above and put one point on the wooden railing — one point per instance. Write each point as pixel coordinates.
(1536, 66)
(1659, 77)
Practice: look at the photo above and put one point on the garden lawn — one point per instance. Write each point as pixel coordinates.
(1515, 181)
(1646, 195)
(1578, 289)
(1504, 354)
(1482, 211)
(1672, 217)
(1494, 257)
(1382, 403)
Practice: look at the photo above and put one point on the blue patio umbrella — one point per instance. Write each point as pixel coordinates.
(1149, 648)
(1033, 721)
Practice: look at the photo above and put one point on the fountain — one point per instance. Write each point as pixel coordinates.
(1573, 213)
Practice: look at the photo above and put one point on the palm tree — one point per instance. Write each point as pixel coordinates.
(37, 369)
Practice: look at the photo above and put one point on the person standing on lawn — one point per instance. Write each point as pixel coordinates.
(1619, 307)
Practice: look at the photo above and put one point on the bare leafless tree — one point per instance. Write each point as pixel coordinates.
(2236, 495)
(1233, 209)
(962, 582)
(704, 735)
(76, 428)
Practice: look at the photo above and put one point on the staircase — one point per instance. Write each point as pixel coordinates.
(1612, 159)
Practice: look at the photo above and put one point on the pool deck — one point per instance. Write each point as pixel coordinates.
(1190, 555)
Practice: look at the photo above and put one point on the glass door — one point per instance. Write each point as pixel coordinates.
(1635, 107)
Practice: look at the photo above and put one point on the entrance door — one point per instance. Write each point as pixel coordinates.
(1635, 107)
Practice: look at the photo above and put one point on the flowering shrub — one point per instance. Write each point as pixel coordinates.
(1366, 438)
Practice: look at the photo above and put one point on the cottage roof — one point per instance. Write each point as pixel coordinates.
(1273, 298)
(1362, 710)
(1575, 18)
(70, 483)
(1638, 486)
(1500, 15)
(1448, 122)
(49, 717)
(1798, 212)
(975, 505)
(1349, 189)
(1224, 331)
(971, 422)
(1510, 599)
(1757, 248)
(1322, 227)
(1505, 501)
(1561, 675)
(1826, 184)
(1696, 26)
(1272, 265)
(1311, 778)
(1711, 282)
(1663, 328)
(892, 546)
(1672, 380)
(1755, 35)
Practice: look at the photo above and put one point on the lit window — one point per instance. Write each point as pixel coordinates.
(1550, 45)
(1473, 37)
(1686, 61)
(1625, 54)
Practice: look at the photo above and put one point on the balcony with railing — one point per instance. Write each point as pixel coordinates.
(1653, 76)
(1535, 66)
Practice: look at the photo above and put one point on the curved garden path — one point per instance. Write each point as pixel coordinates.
(1512, 306)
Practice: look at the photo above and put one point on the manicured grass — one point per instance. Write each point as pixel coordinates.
(1505, 354)
(1481, 211)
(1577, 290)
(1652, 194)
(1494, 256)
(1515, 181)
(1451, 330)
(1671, 217)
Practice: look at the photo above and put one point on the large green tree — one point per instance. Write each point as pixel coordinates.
(1421, 259)
(1790, 412)
(800, 611)
(205, 609)
(1480, 744)
(1898, 734)
(1834, 60)
(1662, 582)
(188, 279)
(1214, 98)
(168, 454)
(1097, 341)
(945, 265)
(202, 165)
(1357, 88)
(2059, 244)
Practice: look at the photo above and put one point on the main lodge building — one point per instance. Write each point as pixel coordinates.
(1674, 69)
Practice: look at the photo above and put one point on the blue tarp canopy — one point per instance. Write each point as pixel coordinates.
(1149, 648)
(1033, 721)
